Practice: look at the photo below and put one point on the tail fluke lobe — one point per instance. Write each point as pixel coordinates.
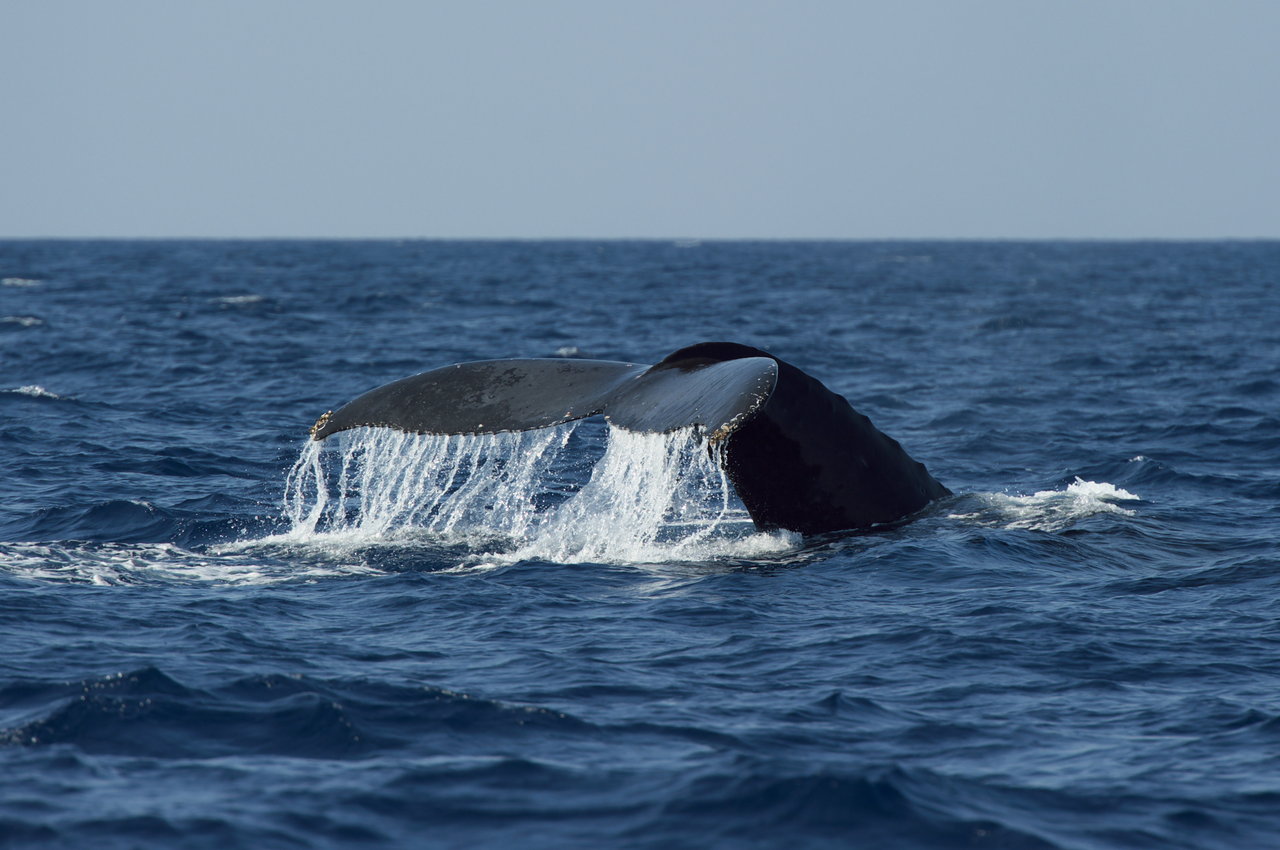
(484, 397)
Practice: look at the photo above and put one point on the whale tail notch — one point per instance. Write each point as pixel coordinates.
(799, 456)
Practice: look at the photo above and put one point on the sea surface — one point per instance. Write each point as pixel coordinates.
(215, 633)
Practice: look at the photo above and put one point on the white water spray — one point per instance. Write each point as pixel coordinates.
(652, 497)
(385, 482)
(649, 498)
(1049, 510)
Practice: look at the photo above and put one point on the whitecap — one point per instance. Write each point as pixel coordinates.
(1050, 510)
(34, 391)
(237, 300)
(22, 321)
(19, 281)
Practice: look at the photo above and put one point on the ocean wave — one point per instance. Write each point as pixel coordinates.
(889, 807)
(146, 712)
(1250, 571)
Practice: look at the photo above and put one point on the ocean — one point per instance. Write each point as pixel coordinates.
(217, 633)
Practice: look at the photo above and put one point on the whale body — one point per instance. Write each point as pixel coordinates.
(798, 455)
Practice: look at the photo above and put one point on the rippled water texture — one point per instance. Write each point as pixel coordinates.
(215, 633)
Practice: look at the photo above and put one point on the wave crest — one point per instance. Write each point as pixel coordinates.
(1049, 510)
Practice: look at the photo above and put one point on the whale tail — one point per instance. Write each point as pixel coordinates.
(798, 455)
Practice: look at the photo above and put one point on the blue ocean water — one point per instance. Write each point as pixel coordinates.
(1080, 649)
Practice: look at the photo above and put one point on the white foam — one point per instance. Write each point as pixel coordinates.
(35, 391)
(133, 563)
(235, 300)
(1050, 510)
(19, 281)
(653, 498)
(22, 321)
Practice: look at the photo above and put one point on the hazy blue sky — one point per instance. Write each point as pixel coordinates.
(909, 118)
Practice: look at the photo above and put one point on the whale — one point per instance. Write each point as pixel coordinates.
(798, 455)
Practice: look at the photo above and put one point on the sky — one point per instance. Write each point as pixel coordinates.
(956, 119)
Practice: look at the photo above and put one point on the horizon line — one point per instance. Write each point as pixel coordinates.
(691, 240)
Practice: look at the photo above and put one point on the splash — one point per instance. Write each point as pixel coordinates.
(652, 497)
(1051, 510)
(35, 391)
(529, 495)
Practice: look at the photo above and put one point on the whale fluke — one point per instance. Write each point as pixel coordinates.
(799, 456)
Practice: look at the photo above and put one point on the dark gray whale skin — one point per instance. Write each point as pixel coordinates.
(806, 461)
(800, 457)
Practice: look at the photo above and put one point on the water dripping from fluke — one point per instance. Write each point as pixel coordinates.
(577, 492)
